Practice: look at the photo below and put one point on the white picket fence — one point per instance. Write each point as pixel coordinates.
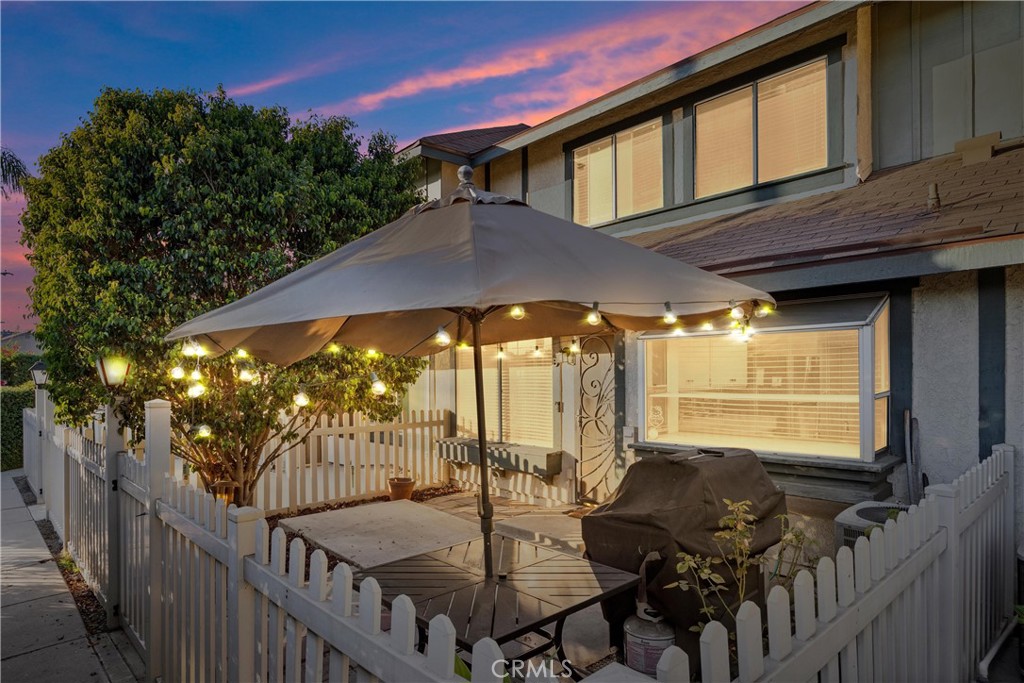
(208, 594)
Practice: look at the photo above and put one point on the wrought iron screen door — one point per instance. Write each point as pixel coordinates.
(601, 411)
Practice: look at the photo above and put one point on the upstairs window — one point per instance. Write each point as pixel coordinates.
(619, 175)
(774, 128)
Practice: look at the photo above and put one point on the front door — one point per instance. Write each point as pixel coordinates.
(601, 416)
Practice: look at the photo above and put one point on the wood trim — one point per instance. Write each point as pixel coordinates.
(865, 38)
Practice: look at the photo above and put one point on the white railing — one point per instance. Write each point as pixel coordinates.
(207, 593)
(347, 457)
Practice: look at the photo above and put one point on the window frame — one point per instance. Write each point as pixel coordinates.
(753, 85)
(679, 202)
(613, 136)
(865, 371)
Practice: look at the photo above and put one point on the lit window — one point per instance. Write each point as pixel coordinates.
(618, 176)
(520, 382)
(789, 138)
(796, 387)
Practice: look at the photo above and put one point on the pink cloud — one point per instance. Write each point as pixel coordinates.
(587, 64)
(285, 77)
(14, 301)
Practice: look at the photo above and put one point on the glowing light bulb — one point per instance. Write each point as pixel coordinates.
(377, 386)
(536, 352)
(501, 353)
(246, 375)
(192, 349)
(203, 432)
(196, 375)
(736, 312)
(763, 310)
(594, 316)
(574, 347)
(371, 353)
(442, 337)
(678, 331)
(517, 312)
(463, 345)
(707, 327)
(333, 348)
(301, 399)
(241, 353)
(669, 318)
(196, 390)
(178, 372)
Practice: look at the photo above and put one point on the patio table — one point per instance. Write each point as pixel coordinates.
(534, 588)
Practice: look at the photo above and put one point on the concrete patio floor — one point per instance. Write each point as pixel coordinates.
(42, 637)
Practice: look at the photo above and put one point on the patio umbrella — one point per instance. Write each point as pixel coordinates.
(472, 262)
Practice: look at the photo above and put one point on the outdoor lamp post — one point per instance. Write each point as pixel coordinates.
(113, 370)
(38, 372)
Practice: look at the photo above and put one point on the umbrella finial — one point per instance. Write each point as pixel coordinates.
(466, 175)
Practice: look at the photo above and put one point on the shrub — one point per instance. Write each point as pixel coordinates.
(12, 401)
(14, 367)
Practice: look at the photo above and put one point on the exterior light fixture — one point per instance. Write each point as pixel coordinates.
(501, 353)
(594, 316)
(517, 312)
(177, 372)
(376, 385)
(442, 338)
(669, 318)
(196, 390)
(574, 347)
(113, 370)
(38, 372)
(536, 351)
(301, 399)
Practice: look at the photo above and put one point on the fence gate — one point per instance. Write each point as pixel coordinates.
(601, 414)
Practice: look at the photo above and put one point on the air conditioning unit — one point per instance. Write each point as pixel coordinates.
(854, 521)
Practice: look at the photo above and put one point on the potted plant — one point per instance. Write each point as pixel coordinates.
(401, 488)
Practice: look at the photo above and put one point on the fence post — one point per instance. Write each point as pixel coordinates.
(1008, 569)
(158, 458)
(111, 453)
(242, 524)
(948, 652)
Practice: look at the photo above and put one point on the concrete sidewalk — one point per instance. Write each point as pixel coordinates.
(42, 637)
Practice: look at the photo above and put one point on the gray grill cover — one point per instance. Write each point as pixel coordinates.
(672, 503)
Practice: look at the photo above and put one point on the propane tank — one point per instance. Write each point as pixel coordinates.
(647, 635)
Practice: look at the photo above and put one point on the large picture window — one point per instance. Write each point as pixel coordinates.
(796, 387)
(619, 175)
(517, 393)
(774, 128)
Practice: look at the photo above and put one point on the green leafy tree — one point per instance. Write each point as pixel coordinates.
(161, 206)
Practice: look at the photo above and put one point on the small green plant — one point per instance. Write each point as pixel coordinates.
(66, 563)
(1020, 613)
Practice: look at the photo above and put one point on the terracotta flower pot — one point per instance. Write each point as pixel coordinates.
(401, 488)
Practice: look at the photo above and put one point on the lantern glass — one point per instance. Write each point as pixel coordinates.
(38, 372)
(113, 370)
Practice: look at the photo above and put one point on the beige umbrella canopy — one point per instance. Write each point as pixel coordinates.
(465, 263)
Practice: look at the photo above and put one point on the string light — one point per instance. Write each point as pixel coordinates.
(594, 316)
(301, 399)
(196, 390)
(762, 310)
(463, 345)
(371, 353)
(517, 312)
(574, 347)
(196, 375)
(736, 312)
(203, 432)
(246, 375)
(669, 318)
(241, 353)
(192, 349)
(707, 326)
(178, 372)
(333, 348)
(501, 353)
(536, 351)
(377, 386)
(442, 337)
(678, 331)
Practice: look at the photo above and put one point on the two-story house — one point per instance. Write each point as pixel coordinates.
(864, 163)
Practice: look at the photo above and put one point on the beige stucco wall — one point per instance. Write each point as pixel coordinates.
(945, 375)
(507, 175)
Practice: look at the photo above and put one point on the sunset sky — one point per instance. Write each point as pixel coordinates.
(412, 69)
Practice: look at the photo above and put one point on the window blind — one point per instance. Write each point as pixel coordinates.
(724, 143)
(638, 169)
(527, 401)
(788, 392)
(792, 122)
(593, 192)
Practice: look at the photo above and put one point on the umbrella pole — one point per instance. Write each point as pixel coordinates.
(486, 510)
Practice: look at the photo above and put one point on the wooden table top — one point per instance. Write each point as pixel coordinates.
(533, 586)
